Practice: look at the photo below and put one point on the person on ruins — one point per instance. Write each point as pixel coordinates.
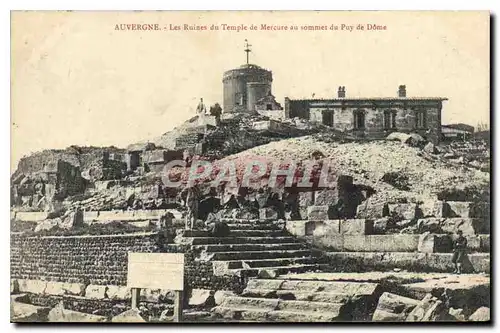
(201, 109)
(192, 201)
(459, 249)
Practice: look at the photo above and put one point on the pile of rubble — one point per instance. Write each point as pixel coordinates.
(425, 174)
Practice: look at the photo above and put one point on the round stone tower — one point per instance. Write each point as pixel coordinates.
(244, 86)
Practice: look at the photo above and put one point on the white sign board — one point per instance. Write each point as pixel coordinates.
(156, 271)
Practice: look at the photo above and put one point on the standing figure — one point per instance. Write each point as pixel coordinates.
(459, 249)
(192, 201)
(201, 109)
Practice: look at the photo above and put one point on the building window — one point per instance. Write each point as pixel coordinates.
(421, 120)
(240, 99)
(389, 119)
(359, 119)
(269, 107)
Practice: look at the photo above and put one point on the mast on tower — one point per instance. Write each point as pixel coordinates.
(247, 49)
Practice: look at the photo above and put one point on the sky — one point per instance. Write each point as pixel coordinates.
(75, 80)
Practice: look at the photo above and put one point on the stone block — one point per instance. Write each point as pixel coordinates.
(380, 225)
(60, 314)
(393, 308)
(95, 291)
(32, 286)
(119, 293)
(460, 209)
(296, 228)
(32, 216)
(14, 286)
(267, 273)
(433, 243)
(372, 211)
(430, 224)
(326, 197)
(268, 213)
(317, 213)
(202, 298)
(47, 224)
(457, 314)
(220, 295)
(55, 288)
(460, 291)
(129, 316)
(323, 228)
(429, 309)
(406, 211)
(380, 243)
(27, 313)
(469, 226)
(356, 227)
(432, 208)
(75, 289)
(468, 209)
(481, 314)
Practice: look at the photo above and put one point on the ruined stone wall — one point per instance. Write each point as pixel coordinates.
(81, 157)
(97, 260)
(102, 260)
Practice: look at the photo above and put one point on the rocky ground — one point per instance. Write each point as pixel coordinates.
(427, 174)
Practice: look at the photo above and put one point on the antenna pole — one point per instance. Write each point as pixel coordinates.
(247, 49)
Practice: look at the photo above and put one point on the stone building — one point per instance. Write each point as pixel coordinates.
(248, 88)
(372, 117)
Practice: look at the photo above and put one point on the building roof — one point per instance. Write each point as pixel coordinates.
(460, 127)
(248, 66)
(371, 99)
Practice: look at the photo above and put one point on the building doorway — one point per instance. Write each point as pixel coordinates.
(359, 119)
(327, 118)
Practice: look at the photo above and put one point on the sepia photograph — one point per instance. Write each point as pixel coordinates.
(250, 167)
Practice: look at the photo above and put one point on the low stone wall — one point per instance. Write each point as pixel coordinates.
(368, 243)
(414, 262)
(29, 216)
(425, 243)
(100, 260)
(328, 228)
(99, 216)
(126, 215)
(96, 266)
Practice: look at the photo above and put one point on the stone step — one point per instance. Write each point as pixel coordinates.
(253, 272)
(348, 288)
(270, 304)
(250, 247)
(328, 297)
(413, 262)
(242, 240)
(248, 226)
(269, 254)
(256, 315)
(237, 233)
(260, 263)
(243, 221)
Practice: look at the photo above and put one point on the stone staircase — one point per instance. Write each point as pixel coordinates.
(301, 301)
(253, 247)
